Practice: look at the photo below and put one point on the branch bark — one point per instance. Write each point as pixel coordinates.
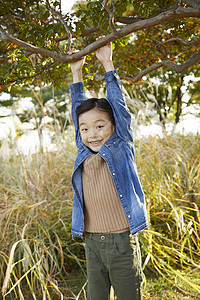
(129, 20)
(111, 14)
(193, 3)
(179, 40)
(177, 68)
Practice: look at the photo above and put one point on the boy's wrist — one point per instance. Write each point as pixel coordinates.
(108, 66)
(77, 76)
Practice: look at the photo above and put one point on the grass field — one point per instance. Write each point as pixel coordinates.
(38, 257)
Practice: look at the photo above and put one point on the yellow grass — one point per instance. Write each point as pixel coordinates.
(38, 255)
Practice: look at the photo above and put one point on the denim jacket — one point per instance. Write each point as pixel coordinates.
(118, 152)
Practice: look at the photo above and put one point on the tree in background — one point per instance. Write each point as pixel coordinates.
(150, 39)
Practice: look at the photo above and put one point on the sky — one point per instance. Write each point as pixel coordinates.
(66, 5)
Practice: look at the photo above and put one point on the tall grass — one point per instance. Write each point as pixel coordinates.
(170, 175)
(38, 256)
(36, 205)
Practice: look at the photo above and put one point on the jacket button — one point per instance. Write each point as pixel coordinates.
(129, 216)
(113, 174)
(103, 154)
(121, 195)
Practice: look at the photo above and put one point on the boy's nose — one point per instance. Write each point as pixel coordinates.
(92, 133)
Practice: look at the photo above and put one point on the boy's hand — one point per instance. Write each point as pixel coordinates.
(76, 67)
(104, 55)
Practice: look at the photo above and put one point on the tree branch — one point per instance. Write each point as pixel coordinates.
(177, 68)
(64, 24)
(47, 67)
(193, 3)
(3, 59)
(111, 14)
(129, 20)
(178, 40)
(85, 32)
(123, 20)
(163, 17)
(29, 47)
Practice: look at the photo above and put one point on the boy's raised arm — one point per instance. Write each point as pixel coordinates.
(76, 68)
(77, 91)
(115, 94)
(104, 55)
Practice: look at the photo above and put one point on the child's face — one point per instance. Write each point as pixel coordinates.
(95, 128)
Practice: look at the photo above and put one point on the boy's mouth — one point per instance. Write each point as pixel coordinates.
(95, 143)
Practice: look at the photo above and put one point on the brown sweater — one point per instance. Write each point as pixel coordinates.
(102, 208)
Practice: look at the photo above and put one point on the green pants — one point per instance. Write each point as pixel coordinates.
(113, 259)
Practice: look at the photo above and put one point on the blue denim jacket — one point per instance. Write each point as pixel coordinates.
(118, 152)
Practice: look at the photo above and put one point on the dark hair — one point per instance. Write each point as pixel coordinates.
(101, 104)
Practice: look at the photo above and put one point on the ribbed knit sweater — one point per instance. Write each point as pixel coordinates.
(102, 208)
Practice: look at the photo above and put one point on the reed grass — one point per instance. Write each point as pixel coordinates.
(35, 218)
(38, 257)
(170, 174)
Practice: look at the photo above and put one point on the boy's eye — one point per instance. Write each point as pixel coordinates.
(83, 129)
(100, 126)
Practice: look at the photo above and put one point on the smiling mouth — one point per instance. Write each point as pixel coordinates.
(95, 143)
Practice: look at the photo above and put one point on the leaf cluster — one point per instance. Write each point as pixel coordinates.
(36, 23)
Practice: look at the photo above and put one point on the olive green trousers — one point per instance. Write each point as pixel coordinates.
(113, 259)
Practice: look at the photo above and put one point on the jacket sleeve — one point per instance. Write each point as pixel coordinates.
(116, 99)
(78, 96)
